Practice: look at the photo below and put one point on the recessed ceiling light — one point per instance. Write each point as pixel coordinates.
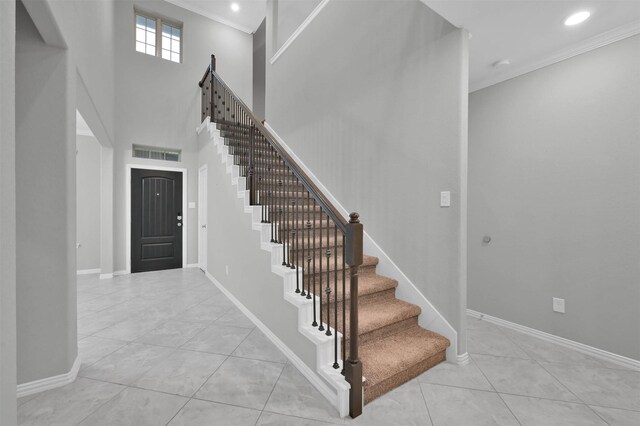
(577, 18)
(235, 7)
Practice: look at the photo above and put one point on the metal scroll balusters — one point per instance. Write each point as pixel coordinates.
(296, 214)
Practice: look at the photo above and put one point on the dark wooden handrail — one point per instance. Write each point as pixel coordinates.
(332, 211)
(204, 77)
(278, 185)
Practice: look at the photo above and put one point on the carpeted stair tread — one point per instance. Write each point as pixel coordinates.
(378, 314)
(300, 224)
(387, 361)
(368, 284)
(368, 263)
(393, 348)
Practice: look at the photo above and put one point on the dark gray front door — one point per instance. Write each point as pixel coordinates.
(156, 220)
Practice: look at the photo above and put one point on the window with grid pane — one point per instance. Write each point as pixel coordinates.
(171, 38)
(156, 36)
(146, 35)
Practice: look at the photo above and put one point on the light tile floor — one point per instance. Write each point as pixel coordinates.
(168, 348)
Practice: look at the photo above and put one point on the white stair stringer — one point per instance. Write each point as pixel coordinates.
(324, 344)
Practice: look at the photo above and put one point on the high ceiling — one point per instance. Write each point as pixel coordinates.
(247, 19)
(529, 34)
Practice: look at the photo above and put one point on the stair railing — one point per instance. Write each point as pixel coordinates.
(318, 243)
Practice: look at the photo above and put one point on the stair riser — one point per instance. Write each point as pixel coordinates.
(301, 226)
(373, 392)
(307, 210)
(362, 298)
(305, 247)
(362, 270)
(382, 332)
(260, 163)
(259, 151)
(317, 254)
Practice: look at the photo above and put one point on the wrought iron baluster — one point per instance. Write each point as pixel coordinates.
(310, 214)
(319, 254)
(286, 219)
(328, 289)
(344, 307)
(313, 253)
(293, 208)
(335, 297)
(294, 239)
(305, 213)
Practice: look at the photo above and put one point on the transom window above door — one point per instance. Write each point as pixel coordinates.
(159, 37)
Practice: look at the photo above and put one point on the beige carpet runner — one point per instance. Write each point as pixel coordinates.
(393, 348)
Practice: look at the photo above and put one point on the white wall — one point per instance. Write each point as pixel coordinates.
(45, 205)
(88, 202)
(554, 179)
(372, 97)
(158, 102)
(259, 69)
(286, 16)
(87, 27)
(7, 215)
(234, 246)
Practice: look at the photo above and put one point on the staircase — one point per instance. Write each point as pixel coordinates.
(375, 341)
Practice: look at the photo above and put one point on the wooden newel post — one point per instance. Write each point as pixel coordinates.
(250, 174)
(353, 366)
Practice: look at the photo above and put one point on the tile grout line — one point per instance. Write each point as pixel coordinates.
(525, 396)
(101, 405)
(495, 390)
(533, 358)
(300, 417)
(273, 387)
(426, 404)
(600, 363)
(178, 411)
(573, 393)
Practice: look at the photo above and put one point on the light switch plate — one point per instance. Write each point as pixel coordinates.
(558, 305)
(445, 199)
(192, 204)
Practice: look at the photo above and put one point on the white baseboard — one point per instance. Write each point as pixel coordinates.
(192, 265)
(329, 382)
(620, 360)
(48, 383)
(112, 274)
(315, 380)
(406, 290)
(463, 359)
(88, 271)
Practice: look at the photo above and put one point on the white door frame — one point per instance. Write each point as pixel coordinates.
(182, 170)
(202, 217)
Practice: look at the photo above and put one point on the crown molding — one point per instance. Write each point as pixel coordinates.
(299, 30)
(197, 10)
(603, 39)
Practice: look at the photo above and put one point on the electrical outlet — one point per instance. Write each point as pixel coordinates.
(227, 269)
(558, 305)
(445, 199)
